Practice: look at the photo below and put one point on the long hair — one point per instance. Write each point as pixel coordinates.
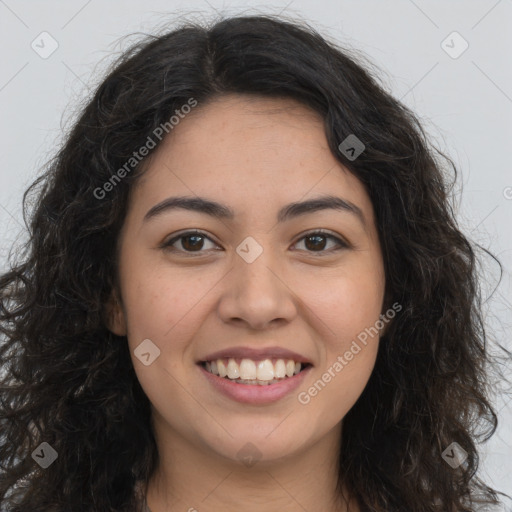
(69, 382)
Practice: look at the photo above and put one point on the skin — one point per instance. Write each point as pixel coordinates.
(255, 155)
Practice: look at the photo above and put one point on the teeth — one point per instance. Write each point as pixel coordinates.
(221, 368)
(280, 369)
(254, 372)
(233, 369)
(247, 370)
(265, 370)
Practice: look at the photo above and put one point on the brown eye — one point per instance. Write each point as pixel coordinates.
(194, 242)
(317, 241)
(191, 241)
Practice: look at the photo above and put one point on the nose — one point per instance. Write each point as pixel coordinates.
(256, 294)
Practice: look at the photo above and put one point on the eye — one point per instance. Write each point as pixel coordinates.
(190, 242)
(314, 240)
(193, 242)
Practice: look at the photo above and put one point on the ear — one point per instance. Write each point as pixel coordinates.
(114, 315)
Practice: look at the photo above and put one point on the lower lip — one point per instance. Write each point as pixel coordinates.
(255, 393)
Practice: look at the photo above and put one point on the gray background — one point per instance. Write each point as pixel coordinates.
(465, 104)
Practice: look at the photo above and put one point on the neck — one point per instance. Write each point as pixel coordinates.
(199, 480)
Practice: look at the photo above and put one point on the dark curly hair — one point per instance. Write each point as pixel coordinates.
(68, 381)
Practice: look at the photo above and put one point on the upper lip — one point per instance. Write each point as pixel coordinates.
(256, 354)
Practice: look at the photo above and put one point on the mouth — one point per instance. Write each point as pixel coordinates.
(254, 372)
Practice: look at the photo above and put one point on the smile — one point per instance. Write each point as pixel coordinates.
(253, 372)
(254, 391)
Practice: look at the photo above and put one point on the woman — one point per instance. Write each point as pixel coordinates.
(245, 289)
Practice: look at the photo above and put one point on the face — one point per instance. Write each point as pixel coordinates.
(255, 285)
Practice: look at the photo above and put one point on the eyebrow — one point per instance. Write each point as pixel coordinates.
(220, 211)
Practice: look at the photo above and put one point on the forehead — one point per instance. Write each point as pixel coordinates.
(248, 150)
(235, 128)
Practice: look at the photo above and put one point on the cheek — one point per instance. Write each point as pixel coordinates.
(159, 304)
(339, 383)
(348, 309)
(163, 309)
(347, 302)
(337, 390)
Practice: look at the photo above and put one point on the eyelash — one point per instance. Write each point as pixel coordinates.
(168, 245)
